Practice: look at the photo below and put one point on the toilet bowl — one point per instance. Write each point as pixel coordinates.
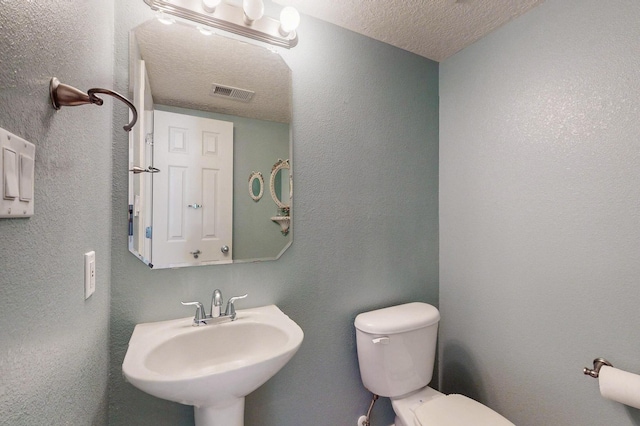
(396, 353)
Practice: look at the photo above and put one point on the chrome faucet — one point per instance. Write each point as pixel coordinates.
(201, 317)
(216, 303)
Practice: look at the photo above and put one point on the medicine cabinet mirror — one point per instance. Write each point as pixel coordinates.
(213, 110)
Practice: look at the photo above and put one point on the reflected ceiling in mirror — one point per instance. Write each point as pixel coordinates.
(185, 65)
(212, 77)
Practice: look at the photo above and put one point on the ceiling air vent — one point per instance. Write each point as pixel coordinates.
(231, 92)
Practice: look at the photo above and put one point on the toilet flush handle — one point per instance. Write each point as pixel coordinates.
(381, 341)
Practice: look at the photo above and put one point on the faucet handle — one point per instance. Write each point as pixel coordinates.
(231, 308)
(200, 312)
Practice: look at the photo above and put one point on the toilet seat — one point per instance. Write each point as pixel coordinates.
(457, 410)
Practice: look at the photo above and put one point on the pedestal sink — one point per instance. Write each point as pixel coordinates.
(212, 367)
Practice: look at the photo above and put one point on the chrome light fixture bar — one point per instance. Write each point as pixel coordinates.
(233, 19)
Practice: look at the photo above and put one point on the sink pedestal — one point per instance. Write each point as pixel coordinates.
(229, 413)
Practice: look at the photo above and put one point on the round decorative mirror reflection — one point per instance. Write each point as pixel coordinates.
(280, 185)
(173, 70)
(256, 186)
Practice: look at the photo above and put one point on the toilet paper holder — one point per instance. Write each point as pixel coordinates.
(597, 365)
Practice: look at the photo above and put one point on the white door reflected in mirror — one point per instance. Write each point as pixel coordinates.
(192, 196)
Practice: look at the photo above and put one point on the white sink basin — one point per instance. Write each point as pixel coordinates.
(212, 367)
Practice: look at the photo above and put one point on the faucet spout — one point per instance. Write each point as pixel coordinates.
(216, 303)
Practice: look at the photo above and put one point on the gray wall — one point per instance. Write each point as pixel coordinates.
(365, 123)
(539, 212)
(53, 343)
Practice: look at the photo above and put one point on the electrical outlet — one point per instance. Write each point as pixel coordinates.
(89, 274)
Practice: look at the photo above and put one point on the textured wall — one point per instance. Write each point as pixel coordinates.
(365, 124)
(540, 212)
(433, 29)
(53, 343)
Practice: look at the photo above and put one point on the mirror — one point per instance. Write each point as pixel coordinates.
(256, 186)
(213, 110)
(281, 187)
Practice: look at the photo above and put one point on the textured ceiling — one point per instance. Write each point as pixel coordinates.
(183, 77)
(435, 29)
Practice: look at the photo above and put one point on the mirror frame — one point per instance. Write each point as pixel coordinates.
(252, 178)
(141, 255)
(280, 165)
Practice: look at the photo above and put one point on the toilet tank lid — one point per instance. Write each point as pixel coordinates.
(398, 319)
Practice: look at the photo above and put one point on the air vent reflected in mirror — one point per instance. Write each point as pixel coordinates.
(229, 92)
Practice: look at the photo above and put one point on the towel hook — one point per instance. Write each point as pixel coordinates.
(65, 95)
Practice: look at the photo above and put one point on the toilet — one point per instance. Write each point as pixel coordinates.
(396, 352)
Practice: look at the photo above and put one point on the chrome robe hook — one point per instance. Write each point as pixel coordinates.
(65, 95)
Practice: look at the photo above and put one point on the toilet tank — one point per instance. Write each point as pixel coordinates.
(397, 348)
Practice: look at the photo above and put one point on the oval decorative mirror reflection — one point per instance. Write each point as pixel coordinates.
(214, 110)
(281, 188)
(256, 186)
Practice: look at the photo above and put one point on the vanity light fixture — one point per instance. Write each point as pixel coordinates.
(247, 20)
(210, 5)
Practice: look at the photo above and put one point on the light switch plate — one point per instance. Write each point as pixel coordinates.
(89, 274)
(17, 160)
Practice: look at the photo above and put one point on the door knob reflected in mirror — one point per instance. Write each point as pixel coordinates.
(195, 253)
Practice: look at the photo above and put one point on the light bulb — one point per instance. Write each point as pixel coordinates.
(204, 30)
(253, 10)
(164, 18)
(210, 5)
(289, 20)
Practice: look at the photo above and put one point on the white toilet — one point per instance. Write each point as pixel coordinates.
(396, 352)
